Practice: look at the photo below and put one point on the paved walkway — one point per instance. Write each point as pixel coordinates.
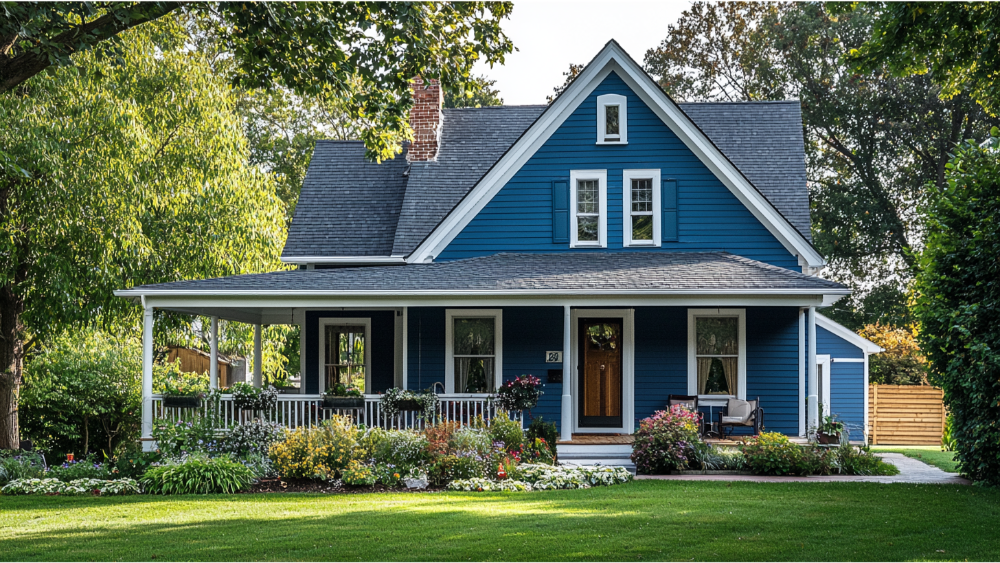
(910, 471)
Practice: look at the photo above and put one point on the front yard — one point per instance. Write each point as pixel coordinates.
(636, 521)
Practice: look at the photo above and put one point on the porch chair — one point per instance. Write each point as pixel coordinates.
(741, 413)
(691, 402)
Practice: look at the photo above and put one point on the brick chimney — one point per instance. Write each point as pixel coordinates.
(425, 120)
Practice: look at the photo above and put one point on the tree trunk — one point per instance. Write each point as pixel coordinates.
(86, 435)
(11, 366)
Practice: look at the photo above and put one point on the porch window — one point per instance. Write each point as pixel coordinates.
(717, 348)
(641, 210)
(344, 353)
(589, 204)
(474, 363)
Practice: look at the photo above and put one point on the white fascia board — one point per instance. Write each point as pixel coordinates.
(613, 58)
(345, 260)
(849, 335)
(466, 293)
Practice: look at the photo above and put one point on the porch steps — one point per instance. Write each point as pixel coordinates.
(590, 454)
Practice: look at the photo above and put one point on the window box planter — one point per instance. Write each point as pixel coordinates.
(181, 402)
(824, 438)
(409, 405)
(343, 402)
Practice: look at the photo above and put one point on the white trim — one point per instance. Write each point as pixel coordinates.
(602, 209)
(628, 367)
(864, 430)
(344, 260)
(449, 343)
(147, 376)
(466, 292)
(812, 422)
(613, 58)
(847, 360)
(603, 101)
(566, 409)
(802, 372)
(345, 322)
(213, 354)
(741, 362)
(824, 361)
(627, 177)
(867, 346)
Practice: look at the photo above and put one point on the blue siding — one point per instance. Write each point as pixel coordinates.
(773, 365)
(660, 357)
(383, 364)
(528, 332)
(425, 347)
(847, 395)
(710, 218)
(829, 343)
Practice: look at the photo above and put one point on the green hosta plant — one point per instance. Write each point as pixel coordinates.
(20, 465)
(71, 488)
(198, 474)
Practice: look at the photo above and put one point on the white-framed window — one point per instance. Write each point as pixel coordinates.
(344, 354)
(473, 350)
(717, 362)
(612, 119)
(641, 207)
(589, 208)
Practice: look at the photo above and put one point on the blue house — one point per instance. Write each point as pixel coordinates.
(618, 245)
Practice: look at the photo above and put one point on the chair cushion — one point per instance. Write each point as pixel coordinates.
(739, 411)
(687, 403)
(733, 420)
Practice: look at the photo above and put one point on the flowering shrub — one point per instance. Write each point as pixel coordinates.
(249, 398)
(87, 468)
(536, 451)
(179, 438)
(663, 441)
(198, 474)
(507, 431)
(133, 463)
(389, 475)
(253, 437)
(544, 477)
(772, 453)
(168, 379)
(322, 452)
(539, 428)
(357, 473)
(402, 447)
(467, 439)
(485, 485)
(520, 394)
(76, 487)
(439, 437)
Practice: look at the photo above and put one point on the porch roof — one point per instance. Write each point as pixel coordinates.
(571, 273)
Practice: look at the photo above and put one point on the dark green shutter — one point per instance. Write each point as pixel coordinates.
(560, 211)
(668, 200)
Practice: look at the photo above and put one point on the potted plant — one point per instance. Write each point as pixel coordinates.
(343, 397)
(180, 389)
(249, 398)
(829, 430)
(521, 394)
(398, 400)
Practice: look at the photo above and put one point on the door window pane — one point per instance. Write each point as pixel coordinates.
(344, 356)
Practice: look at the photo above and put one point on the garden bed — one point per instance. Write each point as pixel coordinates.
(328, 487)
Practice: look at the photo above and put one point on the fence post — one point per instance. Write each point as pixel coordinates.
(874, 416)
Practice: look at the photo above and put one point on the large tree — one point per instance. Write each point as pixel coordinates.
(121, 171)
(312, 48)
(872, 139)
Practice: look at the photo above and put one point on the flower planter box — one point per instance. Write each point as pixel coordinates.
(343, 402)
(827, 438)
(182, 402)
(409, 405)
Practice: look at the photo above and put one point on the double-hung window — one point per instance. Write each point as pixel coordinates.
(641, 207)
(612, 119)
(344, 353)
(589, 208)
(717, 353)
(474, 350)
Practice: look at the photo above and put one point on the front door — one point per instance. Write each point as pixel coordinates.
(600, 373)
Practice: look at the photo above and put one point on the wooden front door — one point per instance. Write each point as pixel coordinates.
(600, 373)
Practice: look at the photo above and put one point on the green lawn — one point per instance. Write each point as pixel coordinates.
(931, 455)
(640, 521)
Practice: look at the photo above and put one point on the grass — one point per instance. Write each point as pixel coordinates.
(641, 521)
(931, 455)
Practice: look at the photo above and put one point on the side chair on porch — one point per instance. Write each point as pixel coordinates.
(741, 413)
(691, 402)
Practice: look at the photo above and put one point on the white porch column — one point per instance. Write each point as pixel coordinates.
(813, 421)
(147, 377)
(213, 358)
(257, 359)
(566, 424)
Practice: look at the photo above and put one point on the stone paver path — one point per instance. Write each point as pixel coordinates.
(910, 471)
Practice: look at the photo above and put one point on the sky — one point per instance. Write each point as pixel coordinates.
(552, 34)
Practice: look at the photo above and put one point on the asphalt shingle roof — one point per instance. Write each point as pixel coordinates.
(351, 207)
(509, 272)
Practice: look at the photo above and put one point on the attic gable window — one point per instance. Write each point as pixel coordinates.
(612, 119)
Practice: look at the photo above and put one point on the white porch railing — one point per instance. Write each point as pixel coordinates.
(294, 411)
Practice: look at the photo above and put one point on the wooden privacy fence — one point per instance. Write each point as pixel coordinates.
(905, 415)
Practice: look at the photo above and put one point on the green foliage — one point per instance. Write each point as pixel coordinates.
(519, 394)
(132, 462)
(663, 442)
(254, 437)
(478, 92)
(20, 465)
(901, 362)
(87, 468)
(547, 431)
(402, 448)
(318, 452)
(198, 474)
(100, 487)
(359, 474)
(948, 442)
(82, 392)
(958, 304)
(506, 431)
(389, 403)
(197, 431)
(252, 399)
(772, 454)
(851, 460)
(168, 379)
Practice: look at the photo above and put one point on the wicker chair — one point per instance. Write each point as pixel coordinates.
(741, 413)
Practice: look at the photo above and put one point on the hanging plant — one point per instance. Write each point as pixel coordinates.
(398, 400)
(521, 394)
(249, 398)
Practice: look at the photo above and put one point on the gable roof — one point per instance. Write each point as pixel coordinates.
(867, 346)
(756, 148)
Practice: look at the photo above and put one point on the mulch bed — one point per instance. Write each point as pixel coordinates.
(328, 487)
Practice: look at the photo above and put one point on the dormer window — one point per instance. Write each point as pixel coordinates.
(612, 120)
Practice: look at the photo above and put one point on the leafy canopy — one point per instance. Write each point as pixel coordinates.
(312, 48)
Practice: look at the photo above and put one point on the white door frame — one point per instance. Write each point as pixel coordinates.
(345, 322)
(628, 362)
